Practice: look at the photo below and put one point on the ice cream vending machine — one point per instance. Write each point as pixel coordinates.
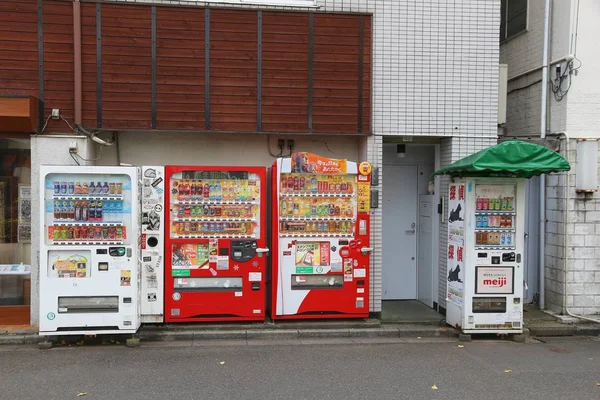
(152, 194)
(485, 255)
(89, 281)
(320, 238)
(215, 267)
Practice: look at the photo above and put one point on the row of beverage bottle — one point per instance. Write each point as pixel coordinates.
(219, 190)
(494, 239)
(316, 184)
(83, 210)
(494, 221)
(230, 211)
(498, 204)
(212, 228)
(303, 207)
(109, 188)
(313, 227)
(88, 233)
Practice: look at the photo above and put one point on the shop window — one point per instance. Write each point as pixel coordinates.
(513, 18)
(15, 231)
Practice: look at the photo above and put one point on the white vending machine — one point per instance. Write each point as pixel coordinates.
(485, 255)
(89, 272)
(152, 195)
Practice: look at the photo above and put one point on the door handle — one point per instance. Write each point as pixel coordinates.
(366, 250)
(261, 250)
(411, 231)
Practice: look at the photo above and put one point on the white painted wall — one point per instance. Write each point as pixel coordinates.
(152, 148)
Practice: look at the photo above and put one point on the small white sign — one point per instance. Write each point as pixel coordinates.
(255, 276)
(360, 290)
(494, 280)
(238, 294)
(360, 272)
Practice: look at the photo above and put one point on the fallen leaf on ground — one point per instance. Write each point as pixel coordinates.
(81, 394)
(508, 371)
(434, 387)
(597, 383)
(222, 362)
(461, 345)
(418, 337)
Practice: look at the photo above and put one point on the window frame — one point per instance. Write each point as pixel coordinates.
(276, 3)
(504, 11)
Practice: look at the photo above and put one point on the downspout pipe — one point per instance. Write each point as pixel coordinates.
(77, 61)
(543, 116)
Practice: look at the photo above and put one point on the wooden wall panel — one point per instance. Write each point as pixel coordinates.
(233, 70)
(126, 39)
(180, 68)
(19, 47)
(88, 64)
(58, 63)
(367, 68)
(335, 82)
(285, 72)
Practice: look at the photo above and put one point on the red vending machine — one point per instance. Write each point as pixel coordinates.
(215, 246)
(320, 238)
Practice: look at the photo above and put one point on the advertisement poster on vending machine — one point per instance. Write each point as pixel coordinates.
(456, 242)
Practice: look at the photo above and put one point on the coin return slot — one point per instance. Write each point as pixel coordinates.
(103, 266)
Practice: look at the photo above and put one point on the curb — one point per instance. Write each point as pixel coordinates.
(155, 335)
(565, 330)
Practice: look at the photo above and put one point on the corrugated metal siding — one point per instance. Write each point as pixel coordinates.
(180, 68)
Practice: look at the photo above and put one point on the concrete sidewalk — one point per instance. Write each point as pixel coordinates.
(537, 324)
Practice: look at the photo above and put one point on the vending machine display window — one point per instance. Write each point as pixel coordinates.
(495, 216)
(215, 243)
(305, 282)
(87, 208)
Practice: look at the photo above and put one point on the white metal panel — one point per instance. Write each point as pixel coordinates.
(106, 275)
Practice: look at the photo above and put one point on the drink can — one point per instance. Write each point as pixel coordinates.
(71, 187)
(509, 239)
(478, 221)
(63, 188)
(485, 221)
(503, 239)
(119, 233)
(484, 204)
(478, 203)
(64, 233)
(56, 187)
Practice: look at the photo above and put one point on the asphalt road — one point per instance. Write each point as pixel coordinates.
(339, 369)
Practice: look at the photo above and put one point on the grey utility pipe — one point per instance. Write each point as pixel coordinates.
(542, 250)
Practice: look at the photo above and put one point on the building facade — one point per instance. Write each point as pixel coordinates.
(407, 85)
(571, 267)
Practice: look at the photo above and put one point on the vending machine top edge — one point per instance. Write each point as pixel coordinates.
(320, 238)
(89, 275)
(216, 248)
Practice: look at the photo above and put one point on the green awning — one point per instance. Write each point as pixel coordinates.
(512, 158)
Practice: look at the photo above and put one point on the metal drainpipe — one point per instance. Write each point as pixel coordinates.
(77, 60)
(544, 113)
(566, 233)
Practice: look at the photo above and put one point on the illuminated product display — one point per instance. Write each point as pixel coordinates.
(88, 251)
(320, 238)
(485, 255)
(215, 250)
